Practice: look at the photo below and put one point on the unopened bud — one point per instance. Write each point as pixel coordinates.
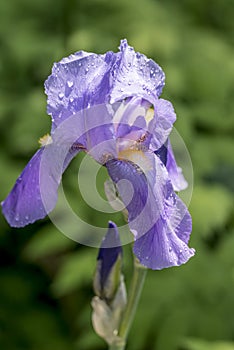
(111, 299)
(109, 261)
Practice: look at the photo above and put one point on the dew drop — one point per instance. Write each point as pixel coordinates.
(170, 249)
(71, 99)
(86, 70)
(17, 217)
(70, 84)
(61, 95)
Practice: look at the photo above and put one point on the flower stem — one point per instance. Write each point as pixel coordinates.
(133, 299)
(120, 346)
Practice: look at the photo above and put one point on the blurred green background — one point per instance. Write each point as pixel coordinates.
(45, 278)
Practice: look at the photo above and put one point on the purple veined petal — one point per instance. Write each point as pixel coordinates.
(166, 155)
(35, 192)
(92, 128)
(130, 122)
(78, 82)
(135, 75)
(175, 173)
(158, 218)
(99, 133)
(86, 79)
(161, 125)
(76, 56)
(24, 204)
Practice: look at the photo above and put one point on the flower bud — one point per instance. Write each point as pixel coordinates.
(110, 300)
(108, 270)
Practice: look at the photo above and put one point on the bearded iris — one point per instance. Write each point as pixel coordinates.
(108, 106)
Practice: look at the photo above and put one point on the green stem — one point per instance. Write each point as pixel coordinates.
(120, 346)
(133, 299)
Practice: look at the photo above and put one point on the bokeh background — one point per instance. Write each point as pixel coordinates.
(45, 278)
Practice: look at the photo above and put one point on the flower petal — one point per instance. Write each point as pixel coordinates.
(135, 75)
(158, 218)
(166, 155)
(160, 127)
(34, 194)
(86, 79)
(77, 82)
(175, 173)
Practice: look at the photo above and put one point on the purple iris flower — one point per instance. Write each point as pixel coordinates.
(108, 106)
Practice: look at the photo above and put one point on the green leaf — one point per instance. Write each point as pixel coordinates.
(195, 344)
(76, 270)
(210, 208)
(47, 241)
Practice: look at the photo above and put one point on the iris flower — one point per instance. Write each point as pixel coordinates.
(109, 106)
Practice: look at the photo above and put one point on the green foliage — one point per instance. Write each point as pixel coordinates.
(46, 278)
(77, 270)
(194, 344)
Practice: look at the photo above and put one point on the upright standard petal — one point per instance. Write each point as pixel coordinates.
(86, 79)
(78, 82)
(134, 74)
(158, 218)
(161, 125)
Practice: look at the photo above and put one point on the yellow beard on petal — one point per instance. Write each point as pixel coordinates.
(45, 140)
(136, 156)
(149, 115)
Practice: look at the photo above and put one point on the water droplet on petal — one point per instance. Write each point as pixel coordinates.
(86, 70)
(170, 249)
(70, 84)
(61, 95)
(71, 99)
